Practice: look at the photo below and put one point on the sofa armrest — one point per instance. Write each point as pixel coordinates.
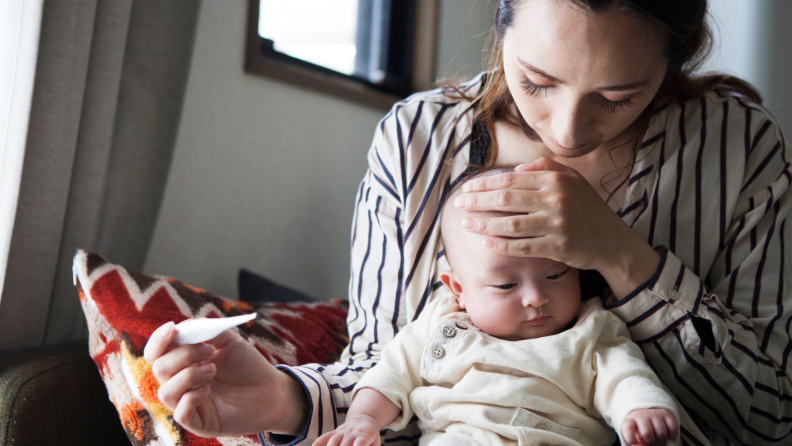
(55, 395)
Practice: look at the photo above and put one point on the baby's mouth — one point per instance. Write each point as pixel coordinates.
(539, 320)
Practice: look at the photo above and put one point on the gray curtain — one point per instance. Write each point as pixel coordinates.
(108, 94)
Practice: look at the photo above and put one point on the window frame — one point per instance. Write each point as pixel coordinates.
(305, 74)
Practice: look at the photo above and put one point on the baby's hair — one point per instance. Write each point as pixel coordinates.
(591, 282)
(450, 216)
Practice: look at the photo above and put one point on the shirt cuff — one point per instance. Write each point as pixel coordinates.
(671, 299)
(320, 414)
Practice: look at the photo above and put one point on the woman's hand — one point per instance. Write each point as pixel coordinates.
(562, 218)
(649, 426)
(224, 387)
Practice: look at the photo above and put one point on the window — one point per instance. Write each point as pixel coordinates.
(20, 27)
(372, 51)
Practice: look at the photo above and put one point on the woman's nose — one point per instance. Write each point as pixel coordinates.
(568, 124)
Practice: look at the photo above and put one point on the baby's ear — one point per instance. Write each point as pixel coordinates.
(449, 279)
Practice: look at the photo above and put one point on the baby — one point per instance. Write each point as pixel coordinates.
(509, 356)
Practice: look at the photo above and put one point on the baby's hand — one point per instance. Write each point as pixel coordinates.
(649, 426)
(360, 430)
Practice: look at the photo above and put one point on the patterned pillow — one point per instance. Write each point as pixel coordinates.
(124, 307)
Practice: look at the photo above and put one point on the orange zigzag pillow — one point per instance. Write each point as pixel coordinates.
(124, 307)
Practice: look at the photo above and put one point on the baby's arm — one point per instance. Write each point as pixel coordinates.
(369, 413)
(628, 394)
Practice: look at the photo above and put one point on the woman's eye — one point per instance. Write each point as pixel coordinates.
(614, 106)
(507, 286)
(533, 89)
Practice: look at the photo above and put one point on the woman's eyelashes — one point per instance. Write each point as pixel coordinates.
(604, 103)
(614, 106)
(533, 89)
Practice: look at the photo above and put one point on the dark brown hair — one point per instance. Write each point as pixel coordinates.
(688, 42)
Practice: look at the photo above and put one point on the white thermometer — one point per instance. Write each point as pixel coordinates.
(195, 331)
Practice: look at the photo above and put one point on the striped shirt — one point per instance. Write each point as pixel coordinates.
(710, 191)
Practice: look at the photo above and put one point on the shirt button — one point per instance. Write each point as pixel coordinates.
(673, 294)
(542, 427)
(428, 415)
(449, 332)
(437, 352)
(461, 325)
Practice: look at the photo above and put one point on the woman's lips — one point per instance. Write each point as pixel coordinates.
(539, 320)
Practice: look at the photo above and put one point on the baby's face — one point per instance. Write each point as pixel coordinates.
(513, 298)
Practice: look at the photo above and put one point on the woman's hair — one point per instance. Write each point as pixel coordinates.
(687, 39)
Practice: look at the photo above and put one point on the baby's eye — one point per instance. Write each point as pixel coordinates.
(556, 276)
(508, 286)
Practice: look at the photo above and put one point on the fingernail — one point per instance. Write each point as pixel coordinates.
(468, 223)
(467, 187)
(459, 202)
(206, 350)
(203, 389)
(521, 166)
(207, 369)
(164, 329)
(489, 243)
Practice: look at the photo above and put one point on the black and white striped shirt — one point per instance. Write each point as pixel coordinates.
(710, 191)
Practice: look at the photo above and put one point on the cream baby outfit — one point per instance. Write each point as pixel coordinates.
(556, 390)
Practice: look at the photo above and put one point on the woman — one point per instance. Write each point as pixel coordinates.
(674, 189)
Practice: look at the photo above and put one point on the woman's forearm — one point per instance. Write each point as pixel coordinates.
(295, 404)
(632, 263)
(374, 405)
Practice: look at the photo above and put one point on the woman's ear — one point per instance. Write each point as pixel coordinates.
(449, 279)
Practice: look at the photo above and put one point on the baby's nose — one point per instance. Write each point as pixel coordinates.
(535, 299)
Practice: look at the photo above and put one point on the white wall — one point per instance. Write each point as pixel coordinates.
(264, 174)
(464, 26)
(752, 42)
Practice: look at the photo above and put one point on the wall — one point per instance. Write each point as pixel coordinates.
(464, 26)
(264, 174)
(751, 42)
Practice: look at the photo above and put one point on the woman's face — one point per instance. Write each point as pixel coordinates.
(580, 79)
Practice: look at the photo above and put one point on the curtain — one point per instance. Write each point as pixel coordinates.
(20, 27)
(107, 99)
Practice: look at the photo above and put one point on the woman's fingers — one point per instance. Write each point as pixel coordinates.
(505, 200)
(158, 342)
(544, 164)
(177, 360)
(186, 412)
(516, 226)
(533, 180)
(524, 247)
(183, 382)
